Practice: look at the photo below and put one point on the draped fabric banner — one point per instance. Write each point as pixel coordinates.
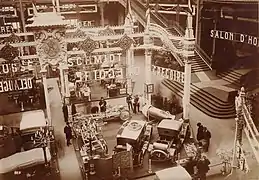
(168, 73)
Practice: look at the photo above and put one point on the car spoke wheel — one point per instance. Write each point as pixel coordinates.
(124, 115)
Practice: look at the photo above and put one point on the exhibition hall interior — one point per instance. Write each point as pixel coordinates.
(129, 89)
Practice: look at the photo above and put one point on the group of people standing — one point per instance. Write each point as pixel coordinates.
(134, 103)
(198, 168)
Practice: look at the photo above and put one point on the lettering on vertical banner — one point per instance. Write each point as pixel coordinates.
(168, 73)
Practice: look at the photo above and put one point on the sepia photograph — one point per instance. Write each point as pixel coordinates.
(129, 90)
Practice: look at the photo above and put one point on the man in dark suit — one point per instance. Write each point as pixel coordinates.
(65, 112)
(200, 134)
(68, 133)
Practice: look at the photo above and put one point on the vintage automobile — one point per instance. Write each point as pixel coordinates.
(136, 133)
(172, 134)
(31, 122)
(24, 164)
(174, 173)
(150, 111)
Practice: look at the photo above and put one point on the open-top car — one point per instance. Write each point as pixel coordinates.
(31, 122)
(136, 133)
(172, 134)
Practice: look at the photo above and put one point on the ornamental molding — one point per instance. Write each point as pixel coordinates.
(107, 31)
(13, 38)
(9, 52)
(124, 42)
(88, 45)
(51, 47)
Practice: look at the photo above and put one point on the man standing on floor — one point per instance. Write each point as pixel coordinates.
(136, 104)
(129, 102)
(68, 133)
(203, 167)
(73, 110)
(102, 104)
(65, 112)
(200, 132)
(207, 136)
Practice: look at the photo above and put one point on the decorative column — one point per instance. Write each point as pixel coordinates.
(215, 22)
(66, 90)
(62, 81)
(198, 22)
(46, 94)
(188, 51)
(51, 46)
(128, 29)
(238, 156)
(101, 7)
(148, 57)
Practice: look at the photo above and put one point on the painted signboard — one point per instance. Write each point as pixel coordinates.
(234, 36)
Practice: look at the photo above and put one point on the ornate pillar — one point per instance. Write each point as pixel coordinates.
(237, 149)
(51, 46)
(188, 51)
(101, 7)
(67, 93)
(148, 57)
(129, 71)
(128, 29)
(198, 22)
(46, 94)
(62, 81)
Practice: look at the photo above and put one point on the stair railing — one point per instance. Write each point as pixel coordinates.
(204, 56)
(250, 129)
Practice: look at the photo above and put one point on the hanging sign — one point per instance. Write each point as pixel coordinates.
(169, 73)
(238, 37)
(16, 84)
(99, 74)
(7, 29)
(79, 60)
(16, 66)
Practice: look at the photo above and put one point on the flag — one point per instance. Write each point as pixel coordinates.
(190, 6)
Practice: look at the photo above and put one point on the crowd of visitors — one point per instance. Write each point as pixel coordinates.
(134, 103)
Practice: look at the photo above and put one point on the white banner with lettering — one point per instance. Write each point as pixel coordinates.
(233, 36)
(100, 74)
(169, 73)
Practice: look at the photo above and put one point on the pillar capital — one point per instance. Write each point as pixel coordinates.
(148, 52)
(43, 72)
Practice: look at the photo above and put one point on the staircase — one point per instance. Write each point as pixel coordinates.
(232, 77)
(198, 61)
(207, 103)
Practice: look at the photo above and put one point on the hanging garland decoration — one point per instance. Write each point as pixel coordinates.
(9, 52)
